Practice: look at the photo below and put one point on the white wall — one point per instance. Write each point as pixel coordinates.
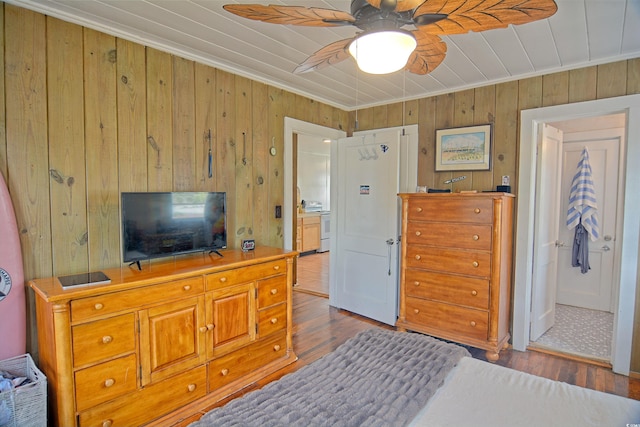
(314, 170)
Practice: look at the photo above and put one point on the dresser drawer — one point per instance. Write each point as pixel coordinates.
(272, 291)
(272, 319)
(451, 209)
(460, 290)
(234, 365)
(268, 269)
(103, 305)
(105, 381)
(470, 263)
(449, 318)
(103, 339)
(243, 275)
(442, 234)
(149, 403)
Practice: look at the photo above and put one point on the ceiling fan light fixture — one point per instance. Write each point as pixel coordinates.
(382, 52)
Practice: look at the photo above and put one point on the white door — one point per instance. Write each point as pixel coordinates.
(593, 289)
(545, 250)
(366, 267)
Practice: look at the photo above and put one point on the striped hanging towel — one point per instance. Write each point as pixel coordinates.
(583, 208)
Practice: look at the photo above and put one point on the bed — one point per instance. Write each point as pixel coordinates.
(388, 378)
(480, 393)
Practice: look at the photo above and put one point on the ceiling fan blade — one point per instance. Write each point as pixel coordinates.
(329, 55)
(292, 15)
(400, 5)
(429, 53)
(473, 15)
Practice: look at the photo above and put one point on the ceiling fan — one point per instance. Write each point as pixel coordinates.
(419, 49)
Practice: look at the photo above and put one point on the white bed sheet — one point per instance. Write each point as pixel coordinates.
(478, 393)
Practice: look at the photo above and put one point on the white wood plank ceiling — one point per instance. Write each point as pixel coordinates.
(581, 33)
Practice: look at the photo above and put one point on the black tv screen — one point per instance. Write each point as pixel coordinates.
(165, 224)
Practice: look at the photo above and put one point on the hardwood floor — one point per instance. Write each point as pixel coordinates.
(313, 274)
(319, 329)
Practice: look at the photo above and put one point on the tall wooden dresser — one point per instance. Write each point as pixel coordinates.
(455, 277)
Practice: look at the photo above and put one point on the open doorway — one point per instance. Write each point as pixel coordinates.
(580, 310)
(294, 131)
(313, 206)
(627, 265)
(407, 175)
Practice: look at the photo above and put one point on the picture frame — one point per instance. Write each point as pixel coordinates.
(464, 148)
(248, 245)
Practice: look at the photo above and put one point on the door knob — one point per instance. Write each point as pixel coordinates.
(606, 248)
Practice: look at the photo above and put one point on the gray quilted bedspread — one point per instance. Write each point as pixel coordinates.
(377, 378)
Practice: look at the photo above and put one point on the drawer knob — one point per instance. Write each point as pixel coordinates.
(274, 320)
(416, 283)
(474, 292)
(476, 237)
(107, 423)
(186, 287)
(203, 329)
(472, 323)
(224, 372)
(418, 257)
(276, 267)
(418, 233)
(210, 326)
(477, 210)
(276, 347)
(416, 311)
(274, 291)
(223, 279)
(191, 387)
(107, 339)
(110, 382)
(475, 263)
(419, 209)
(98, 306)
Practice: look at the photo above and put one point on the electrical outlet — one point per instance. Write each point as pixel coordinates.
(505, 180)
(278, 211)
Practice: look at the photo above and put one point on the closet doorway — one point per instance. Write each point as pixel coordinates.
(626, 262)
(578, 317)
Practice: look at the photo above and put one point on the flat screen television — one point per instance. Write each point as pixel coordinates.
(165, 224)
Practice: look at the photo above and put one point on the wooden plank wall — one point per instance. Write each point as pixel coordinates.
(87, 116)
(499, 105)
(90, 115)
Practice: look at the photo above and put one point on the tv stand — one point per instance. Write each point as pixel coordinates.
(217, 252)
(136, 263)
(164, 381)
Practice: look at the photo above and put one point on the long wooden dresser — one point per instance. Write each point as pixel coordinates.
(166, 341)
(455, 277)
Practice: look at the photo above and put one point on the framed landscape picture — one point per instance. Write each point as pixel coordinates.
(463, 149)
